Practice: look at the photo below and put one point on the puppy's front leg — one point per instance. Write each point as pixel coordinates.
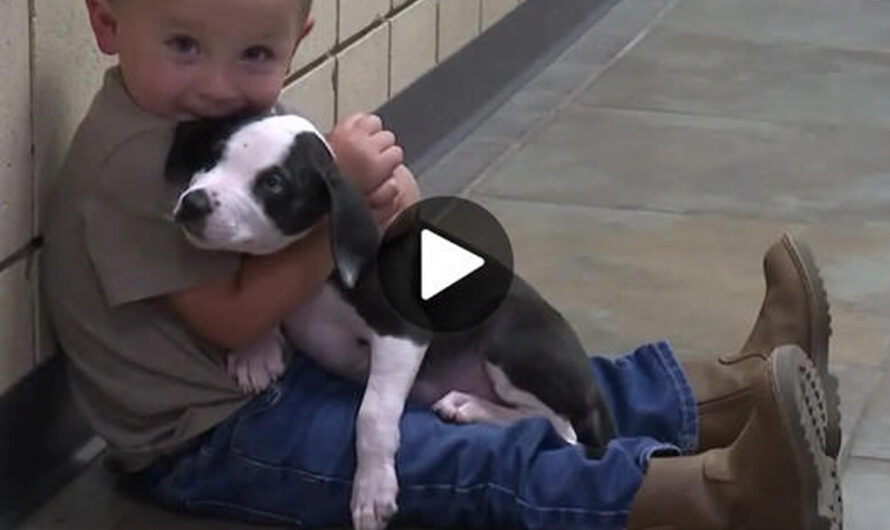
(255, 367)
(394, 366)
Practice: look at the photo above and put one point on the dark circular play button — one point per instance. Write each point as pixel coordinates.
(445, 264)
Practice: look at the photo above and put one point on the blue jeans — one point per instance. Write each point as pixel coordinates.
(288, 456)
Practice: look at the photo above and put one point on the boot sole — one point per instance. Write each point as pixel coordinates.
(802, 407)
(820, 317)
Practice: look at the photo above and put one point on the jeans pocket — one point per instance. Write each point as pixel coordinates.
(249, 426)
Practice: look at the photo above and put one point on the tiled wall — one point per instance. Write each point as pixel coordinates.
(363, 52)
(360, 54)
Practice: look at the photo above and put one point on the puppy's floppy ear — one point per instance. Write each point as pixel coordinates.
(354, 235)
(199, 144)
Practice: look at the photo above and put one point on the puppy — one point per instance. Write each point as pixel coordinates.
(257, 184)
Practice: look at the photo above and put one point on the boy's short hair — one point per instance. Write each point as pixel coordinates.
(304, 7)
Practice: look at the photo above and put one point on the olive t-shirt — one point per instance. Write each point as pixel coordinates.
(143, 380)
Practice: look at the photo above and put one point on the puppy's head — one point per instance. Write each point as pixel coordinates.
(255, 184)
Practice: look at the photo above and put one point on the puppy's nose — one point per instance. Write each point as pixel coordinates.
(195, 205)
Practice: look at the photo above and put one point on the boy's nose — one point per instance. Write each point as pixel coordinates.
(218, 89)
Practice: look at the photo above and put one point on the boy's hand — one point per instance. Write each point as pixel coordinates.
(366, 153)
(389, 200)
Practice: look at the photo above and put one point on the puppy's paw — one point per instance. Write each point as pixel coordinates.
(374, 497)
(460, 407)
(257, 366)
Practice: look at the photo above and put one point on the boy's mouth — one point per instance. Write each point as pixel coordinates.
(218, 109)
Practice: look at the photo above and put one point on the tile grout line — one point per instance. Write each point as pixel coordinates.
(632, 209)
(550, 115)
(847, 451)
(871, 459)
(381, 19)
(36, 242)
(802, 124)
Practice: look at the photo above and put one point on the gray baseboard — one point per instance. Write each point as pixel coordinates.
(42, 435)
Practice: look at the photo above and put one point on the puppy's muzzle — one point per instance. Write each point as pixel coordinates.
(194, 207)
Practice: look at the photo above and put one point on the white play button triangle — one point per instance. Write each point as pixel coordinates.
(443, 263)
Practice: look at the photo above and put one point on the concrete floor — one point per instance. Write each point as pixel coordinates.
(642, 175)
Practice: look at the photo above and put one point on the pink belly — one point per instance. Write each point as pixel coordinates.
(463, 371)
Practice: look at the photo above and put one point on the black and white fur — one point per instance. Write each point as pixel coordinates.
(257, 184)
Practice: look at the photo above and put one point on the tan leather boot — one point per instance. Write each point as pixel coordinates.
(775, 476)
(794, 311)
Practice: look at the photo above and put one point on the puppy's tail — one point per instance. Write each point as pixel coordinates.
(595, 427)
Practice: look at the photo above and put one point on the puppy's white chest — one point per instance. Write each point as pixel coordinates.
(330, 331)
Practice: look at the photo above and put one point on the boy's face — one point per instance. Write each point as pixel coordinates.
(185, 59)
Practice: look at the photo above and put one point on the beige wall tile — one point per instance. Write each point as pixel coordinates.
(413, 44)
(323, 36)
(355, 15)
(312, 95)
(68, 70)
(15, 129)
(494, 10)
(363, 73)
(16, 344)
(399, 3)
(458, 25)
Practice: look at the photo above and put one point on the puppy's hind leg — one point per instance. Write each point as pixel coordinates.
(528, 404)
(394, 366)
(460, 407)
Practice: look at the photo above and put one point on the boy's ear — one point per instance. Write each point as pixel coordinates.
(307, 27)
(104, 24)
(304, 32)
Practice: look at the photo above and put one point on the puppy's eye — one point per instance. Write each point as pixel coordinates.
(272, 182)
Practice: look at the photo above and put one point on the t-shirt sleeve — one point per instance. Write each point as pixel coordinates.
(136, 249)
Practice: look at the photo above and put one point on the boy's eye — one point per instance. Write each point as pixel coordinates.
(259, 54)
(183, 44)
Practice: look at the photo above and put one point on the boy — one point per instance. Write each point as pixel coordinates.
(146, 321)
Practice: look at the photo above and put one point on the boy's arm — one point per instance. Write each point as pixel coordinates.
(235, 312)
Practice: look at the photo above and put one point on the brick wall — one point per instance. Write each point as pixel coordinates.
(360, 54)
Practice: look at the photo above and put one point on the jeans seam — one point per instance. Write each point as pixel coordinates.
(519, 500)
(687, 438)
(199, 503)
(445, 487)
(297, 471)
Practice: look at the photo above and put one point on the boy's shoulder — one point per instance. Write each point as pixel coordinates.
(112, 207)
(118, 145)
(114, 113)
